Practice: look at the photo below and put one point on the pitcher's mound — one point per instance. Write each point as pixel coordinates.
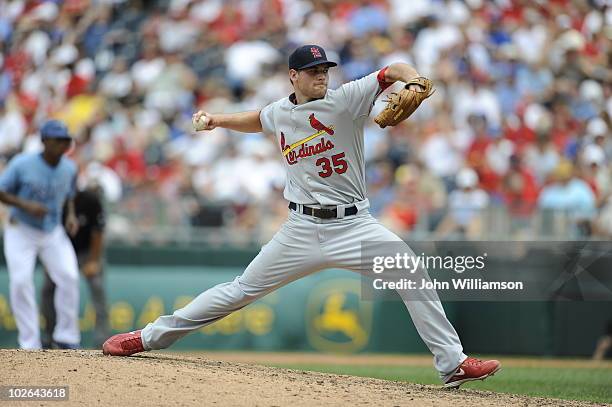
(179, 380)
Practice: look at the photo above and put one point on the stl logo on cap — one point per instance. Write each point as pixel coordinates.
(316, 52)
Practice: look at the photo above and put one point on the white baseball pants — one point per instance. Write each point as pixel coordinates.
(302, 246)
(22, 244)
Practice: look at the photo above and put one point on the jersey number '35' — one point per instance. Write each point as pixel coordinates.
(338, 162)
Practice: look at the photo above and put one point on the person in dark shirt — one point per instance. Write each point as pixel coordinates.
(604, 344)
(88, 245)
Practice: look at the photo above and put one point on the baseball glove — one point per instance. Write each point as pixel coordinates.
(402, 104)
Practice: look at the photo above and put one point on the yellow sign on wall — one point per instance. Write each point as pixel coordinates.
(336, 318)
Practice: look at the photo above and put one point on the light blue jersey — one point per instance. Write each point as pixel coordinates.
(30, 177)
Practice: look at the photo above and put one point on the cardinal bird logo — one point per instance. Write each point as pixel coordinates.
(289, 150)
(317, 125)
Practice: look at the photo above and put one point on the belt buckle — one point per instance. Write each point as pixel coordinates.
(324, 213)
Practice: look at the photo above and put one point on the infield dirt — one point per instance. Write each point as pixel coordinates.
(195, 380)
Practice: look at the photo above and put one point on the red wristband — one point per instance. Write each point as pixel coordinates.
(381, 79)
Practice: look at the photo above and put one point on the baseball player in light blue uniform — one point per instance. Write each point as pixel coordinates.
(320, 136)
(36, 186)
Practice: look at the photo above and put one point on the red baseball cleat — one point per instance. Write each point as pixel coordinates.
(473, 369)
(123, 344)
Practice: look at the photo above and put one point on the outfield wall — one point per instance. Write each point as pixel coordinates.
(321, 312)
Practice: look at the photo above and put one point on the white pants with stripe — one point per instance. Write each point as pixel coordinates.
(22, 244)
(302, 246)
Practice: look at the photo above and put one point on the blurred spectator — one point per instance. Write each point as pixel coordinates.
(570, 195)
(369, 17)
(498, 155)
(380, 186)
(481, 140)
(476, 99)
(358, 60)
(117, 83)
(602, 225)
(604, 344)
(542, 157)
(466, 207)
(147, 69)
(440, 150)
(419, 197)
(172, 90)
(402, 213)
(206, 57)
(431, 192)
(12, 130)
(519, 188)
(594, 171)
(435, 37)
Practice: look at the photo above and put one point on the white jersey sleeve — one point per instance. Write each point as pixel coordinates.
(266, 117)
(359, 95)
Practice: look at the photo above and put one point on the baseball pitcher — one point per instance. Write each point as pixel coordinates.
(320, 137)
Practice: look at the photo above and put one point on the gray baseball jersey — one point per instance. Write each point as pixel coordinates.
(322, 142)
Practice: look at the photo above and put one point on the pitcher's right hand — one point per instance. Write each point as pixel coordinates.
(202, 121)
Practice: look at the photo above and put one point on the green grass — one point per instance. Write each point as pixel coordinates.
(589, 384)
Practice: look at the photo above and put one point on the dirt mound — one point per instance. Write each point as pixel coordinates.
(180, 380)
(379, 359)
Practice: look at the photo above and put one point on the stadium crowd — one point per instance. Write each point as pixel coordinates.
(519, 125)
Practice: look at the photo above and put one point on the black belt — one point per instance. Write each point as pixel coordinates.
(322, 212)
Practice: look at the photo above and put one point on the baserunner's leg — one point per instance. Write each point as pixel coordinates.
(57, 255)
(20, 254)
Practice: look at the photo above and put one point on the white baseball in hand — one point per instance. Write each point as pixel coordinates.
(201, 121)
